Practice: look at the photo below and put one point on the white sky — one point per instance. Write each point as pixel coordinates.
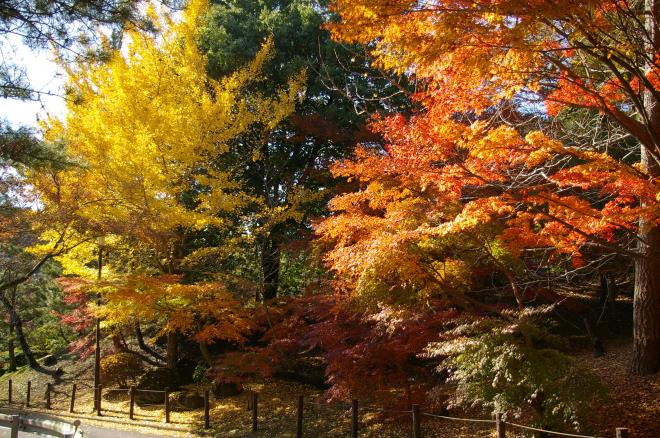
(44, 75)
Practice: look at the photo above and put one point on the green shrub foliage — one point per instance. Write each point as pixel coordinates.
(515, 366)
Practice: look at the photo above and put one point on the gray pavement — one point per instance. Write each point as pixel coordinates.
(91, 432)
(98, 432)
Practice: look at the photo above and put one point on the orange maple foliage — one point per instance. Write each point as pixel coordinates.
(477, 179)
(206, 311)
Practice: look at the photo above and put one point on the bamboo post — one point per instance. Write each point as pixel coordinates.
(9, 391)
(99, 394)
(15, 425)
(255, 401)
(621, 432)
(48, 395)
(500, 425)
(416, 419)
(167, 405)
(354, 419)
(73, 398)
(27, 395)
(131, 408)
(207, 420)
(299, 419)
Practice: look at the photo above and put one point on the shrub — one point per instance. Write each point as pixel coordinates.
(120, 368)
(516, 367)
(199, 373)
(158, 379)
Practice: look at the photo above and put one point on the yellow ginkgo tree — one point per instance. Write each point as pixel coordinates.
(146, 128)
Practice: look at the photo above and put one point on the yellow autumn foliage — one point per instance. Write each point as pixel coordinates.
(145, 128)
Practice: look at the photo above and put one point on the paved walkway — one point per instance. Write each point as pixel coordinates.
(98, 432)
(91, 432)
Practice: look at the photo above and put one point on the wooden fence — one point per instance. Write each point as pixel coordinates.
(498, 423)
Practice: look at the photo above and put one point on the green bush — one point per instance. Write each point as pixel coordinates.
(199, 373)
(516, 367)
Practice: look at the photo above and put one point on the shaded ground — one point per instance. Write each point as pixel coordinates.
(634, 400)
(634, 403)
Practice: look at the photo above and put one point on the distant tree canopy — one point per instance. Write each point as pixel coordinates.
(287, 171)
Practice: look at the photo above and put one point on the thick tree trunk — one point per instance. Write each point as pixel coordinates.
(172, 350)
(10, 343)
(206, 354)
(646, 304)
(10, 348)
(270, 265)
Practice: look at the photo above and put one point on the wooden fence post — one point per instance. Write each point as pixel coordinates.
(500, 425)
(9, 390)
(167, 405)
(207, 420)
(417, 428)
(621, 432)
(27, 395)
(354, 419)
(131, 406)
(73, 398)
(15, 425)
(99, 394)
(249, 401)
(299, 419)
(48, 395)
(255, 402)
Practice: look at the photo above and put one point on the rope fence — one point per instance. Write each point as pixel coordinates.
(534, 429)
(51, 397)
(468, 420)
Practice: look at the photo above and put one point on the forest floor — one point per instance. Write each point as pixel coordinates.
(634, 402)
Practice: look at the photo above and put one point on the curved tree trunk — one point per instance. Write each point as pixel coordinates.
(20, 336)
(143, 345)
(646, 304)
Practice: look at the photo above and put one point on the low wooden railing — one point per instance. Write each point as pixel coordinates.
(498, 422)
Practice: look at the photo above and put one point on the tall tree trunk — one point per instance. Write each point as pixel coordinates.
(10, 348)
(270, 265)
(646, 303)
(10, 343)
(206, 354)
(172, 350)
